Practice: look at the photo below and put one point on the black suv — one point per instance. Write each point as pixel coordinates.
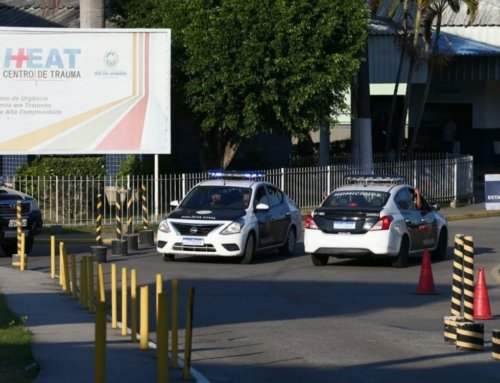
(31, 219)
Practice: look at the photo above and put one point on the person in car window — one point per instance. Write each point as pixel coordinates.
(215, 198)
(417, 198)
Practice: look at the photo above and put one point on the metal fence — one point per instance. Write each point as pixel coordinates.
(72, 201)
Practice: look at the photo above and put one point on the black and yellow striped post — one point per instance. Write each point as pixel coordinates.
(19, 259)
(450, 328)
(144, 204)
(130, 200)
(458, 275)
(495, 344)
(470, 336)
(469, 278)
(118, 216)
(98, 219)
(19, 226)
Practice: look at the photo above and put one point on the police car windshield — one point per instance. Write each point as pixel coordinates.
(217, 197)
(356, 199)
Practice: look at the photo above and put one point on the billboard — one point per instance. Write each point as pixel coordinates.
(84, 91)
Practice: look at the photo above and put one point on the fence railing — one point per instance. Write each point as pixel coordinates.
(73, 201)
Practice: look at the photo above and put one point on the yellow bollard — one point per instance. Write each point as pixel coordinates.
(90, 284)
(66, 283)
(133, 305)
(113, 297)
(175, 322)
(61, 266)
(159, 290)
(124, 301)
(100, 344)
(144, 326)
(52, 256)
(162, 338)
(22, 257)
(101, 283)
(189, 335)
(74, 287)
(83, 282)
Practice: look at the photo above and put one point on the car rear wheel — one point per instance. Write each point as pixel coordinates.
(289, 247)
(169, 257)
(404, 252)
(440, 252)
(249, 250)
(319, 259)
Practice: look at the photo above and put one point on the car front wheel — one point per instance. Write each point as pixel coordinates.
(442, 246)
(249, 250)
(168, 257)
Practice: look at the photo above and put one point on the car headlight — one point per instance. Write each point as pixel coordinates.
(163, 226)
(234, 227)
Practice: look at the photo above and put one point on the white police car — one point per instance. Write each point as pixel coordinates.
(374, 216)
(233, 215)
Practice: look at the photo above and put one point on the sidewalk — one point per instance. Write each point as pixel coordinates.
(64, 331)
(63, 335)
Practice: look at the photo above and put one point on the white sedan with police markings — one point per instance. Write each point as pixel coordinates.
(375, 216)
(233, 215)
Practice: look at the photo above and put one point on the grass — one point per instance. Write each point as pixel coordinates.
(15, 347)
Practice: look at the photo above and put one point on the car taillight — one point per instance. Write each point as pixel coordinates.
(383, 223)
(310, 224)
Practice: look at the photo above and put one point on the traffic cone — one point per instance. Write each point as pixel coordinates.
(481, 299)
(426, 281)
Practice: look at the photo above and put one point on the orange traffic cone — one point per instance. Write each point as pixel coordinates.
(426, 281)
(481, 299)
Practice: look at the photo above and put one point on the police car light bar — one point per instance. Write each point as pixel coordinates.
(237, 174)
(374, 179)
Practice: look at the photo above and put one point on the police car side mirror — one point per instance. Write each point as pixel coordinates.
(262, 207)
(174, 203)
(436, 206)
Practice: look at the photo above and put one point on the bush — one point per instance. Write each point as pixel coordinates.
(64, 166)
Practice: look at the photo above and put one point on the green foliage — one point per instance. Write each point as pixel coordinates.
(246, 67)
(64, 166)
(15, 347)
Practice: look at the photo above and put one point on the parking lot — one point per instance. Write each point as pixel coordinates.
(282, 319)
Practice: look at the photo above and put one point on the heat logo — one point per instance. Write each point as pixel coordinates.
(39, 63)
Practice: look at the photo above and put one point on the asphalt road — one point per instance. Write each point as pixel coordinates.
(285, 320)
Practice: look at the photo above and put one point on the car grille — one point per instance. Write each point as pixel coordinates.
(10, 209)
(193, 229)
(178, 246)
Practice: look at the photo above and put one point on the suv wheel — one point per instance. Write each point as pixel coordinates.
(10, 247)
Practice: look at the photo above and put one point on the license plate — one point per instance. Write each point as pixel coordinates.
(13, 222)
(344, 225)
(188, 241)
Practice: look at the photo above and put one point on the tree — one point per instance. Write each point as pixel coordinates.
(433, 15)
(247, 67)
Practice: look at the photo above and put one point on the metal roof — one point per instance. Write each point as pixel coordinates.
(488, 13)
(459, 46)
(35, 13)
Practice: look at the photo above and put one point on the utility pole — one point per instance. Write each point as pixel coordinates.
(91, 13)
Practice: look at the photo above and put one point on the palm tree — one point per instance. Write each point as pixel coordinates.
(433, 14)
(415, 50)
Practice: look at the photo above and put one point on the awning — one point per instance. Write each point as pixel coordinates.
(460, 46)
